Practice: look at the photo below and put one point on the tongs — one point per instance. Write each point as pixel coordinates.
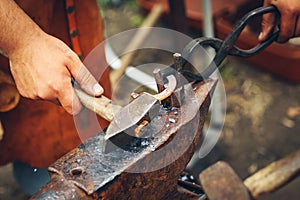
(226, 47)
(128, 116)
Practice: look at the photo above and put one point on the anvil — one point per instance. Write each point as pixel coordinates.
(149, 172)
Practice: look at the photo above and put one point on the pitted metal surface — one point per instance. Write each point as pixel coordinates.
(166, 143)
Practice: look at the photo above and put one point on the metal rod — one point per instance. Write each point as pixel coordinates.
(177, 97)
(160, 86)
(208, 24)
(158, 79)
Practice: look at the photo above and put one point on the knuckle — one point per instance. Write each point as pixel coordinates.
(69, 104)
(43, 94)
(28, 93)
(22, 93)
(71, 56)
(49, 90)
(68, 108)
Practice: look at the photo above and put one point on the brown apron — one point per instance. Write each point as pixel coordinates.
(39, 132)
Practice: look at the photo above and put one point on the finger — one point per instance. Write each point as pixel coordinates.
(267, 26)
(82, 76)
(287, 27)
(69, 100)
(88, 82)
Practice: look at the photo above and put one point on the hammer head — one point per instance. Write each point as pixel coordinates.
(220, 182)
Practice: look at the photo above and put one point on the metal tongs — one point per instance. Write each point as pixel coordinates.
(226, 47)
(223, 49)
(132, 113)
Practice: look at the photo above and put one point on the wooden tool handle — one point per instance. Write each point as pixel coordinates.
(274, 175)
(103, 106)
(10, 96)
(1, 131)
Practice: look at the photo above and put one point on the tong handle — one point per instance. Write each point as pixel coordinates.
(226, 47)
(228, 44)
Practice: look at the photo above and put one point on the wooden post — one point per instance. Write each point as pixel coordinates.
(136, 42)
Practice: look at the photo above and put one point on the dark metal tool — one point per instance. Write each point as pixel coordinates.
(226, 47)
(131, 114)
(122, 118)
(87, 173)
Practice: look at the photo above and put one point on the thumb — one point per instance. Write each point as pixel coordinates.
(87, 82)
(83, 76)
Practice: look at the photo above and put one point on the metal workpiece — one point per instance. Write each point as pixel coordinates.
(160, 82)
(133, 113)
(178, 96)
(149, 172)
(158, 79)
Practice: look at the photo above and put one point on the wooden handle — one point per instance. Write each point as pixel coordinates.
(10, 96)
(103, 106)
(1, 131)
(274, 175)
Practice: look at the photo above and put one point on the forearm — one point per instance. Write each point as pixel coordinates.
(17, 29)
(42, 65)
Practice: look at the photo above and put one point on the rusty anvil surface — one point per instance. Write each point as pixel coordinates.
(151, 172)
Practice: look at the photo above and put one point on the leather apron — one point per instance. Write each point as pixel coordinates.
(38, 132)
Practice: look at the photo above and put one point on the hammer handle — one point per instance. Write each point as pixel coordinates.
(102, 105)
(274, 175)
(10, 96)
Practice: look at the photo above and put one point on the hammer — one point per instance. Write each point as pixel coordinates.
(220, 182)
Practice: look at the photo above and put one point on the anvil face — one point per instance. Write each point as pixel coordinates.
(152, 170)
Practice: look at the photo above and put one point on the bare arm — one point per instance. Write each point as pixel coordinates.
(289, 23)
(42, 65)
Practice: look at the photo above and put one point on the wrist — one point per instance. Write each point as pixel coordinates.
(17, 29)
(25, 39)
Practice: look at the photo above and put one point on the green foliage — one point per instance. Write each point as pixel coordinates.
(108, 3)
(227, 72)
(136, 20)
(103, 3)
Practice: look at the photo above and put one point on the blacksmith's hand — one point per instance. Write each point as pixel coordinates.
(43, 69)
(289, 24)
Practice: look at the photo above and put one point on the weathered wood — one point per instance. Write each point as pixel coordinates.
(220, 182)
(150, 172)
(136, 42)
(103, 106)
(10, 96)
(1, 131)
(274, 176)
